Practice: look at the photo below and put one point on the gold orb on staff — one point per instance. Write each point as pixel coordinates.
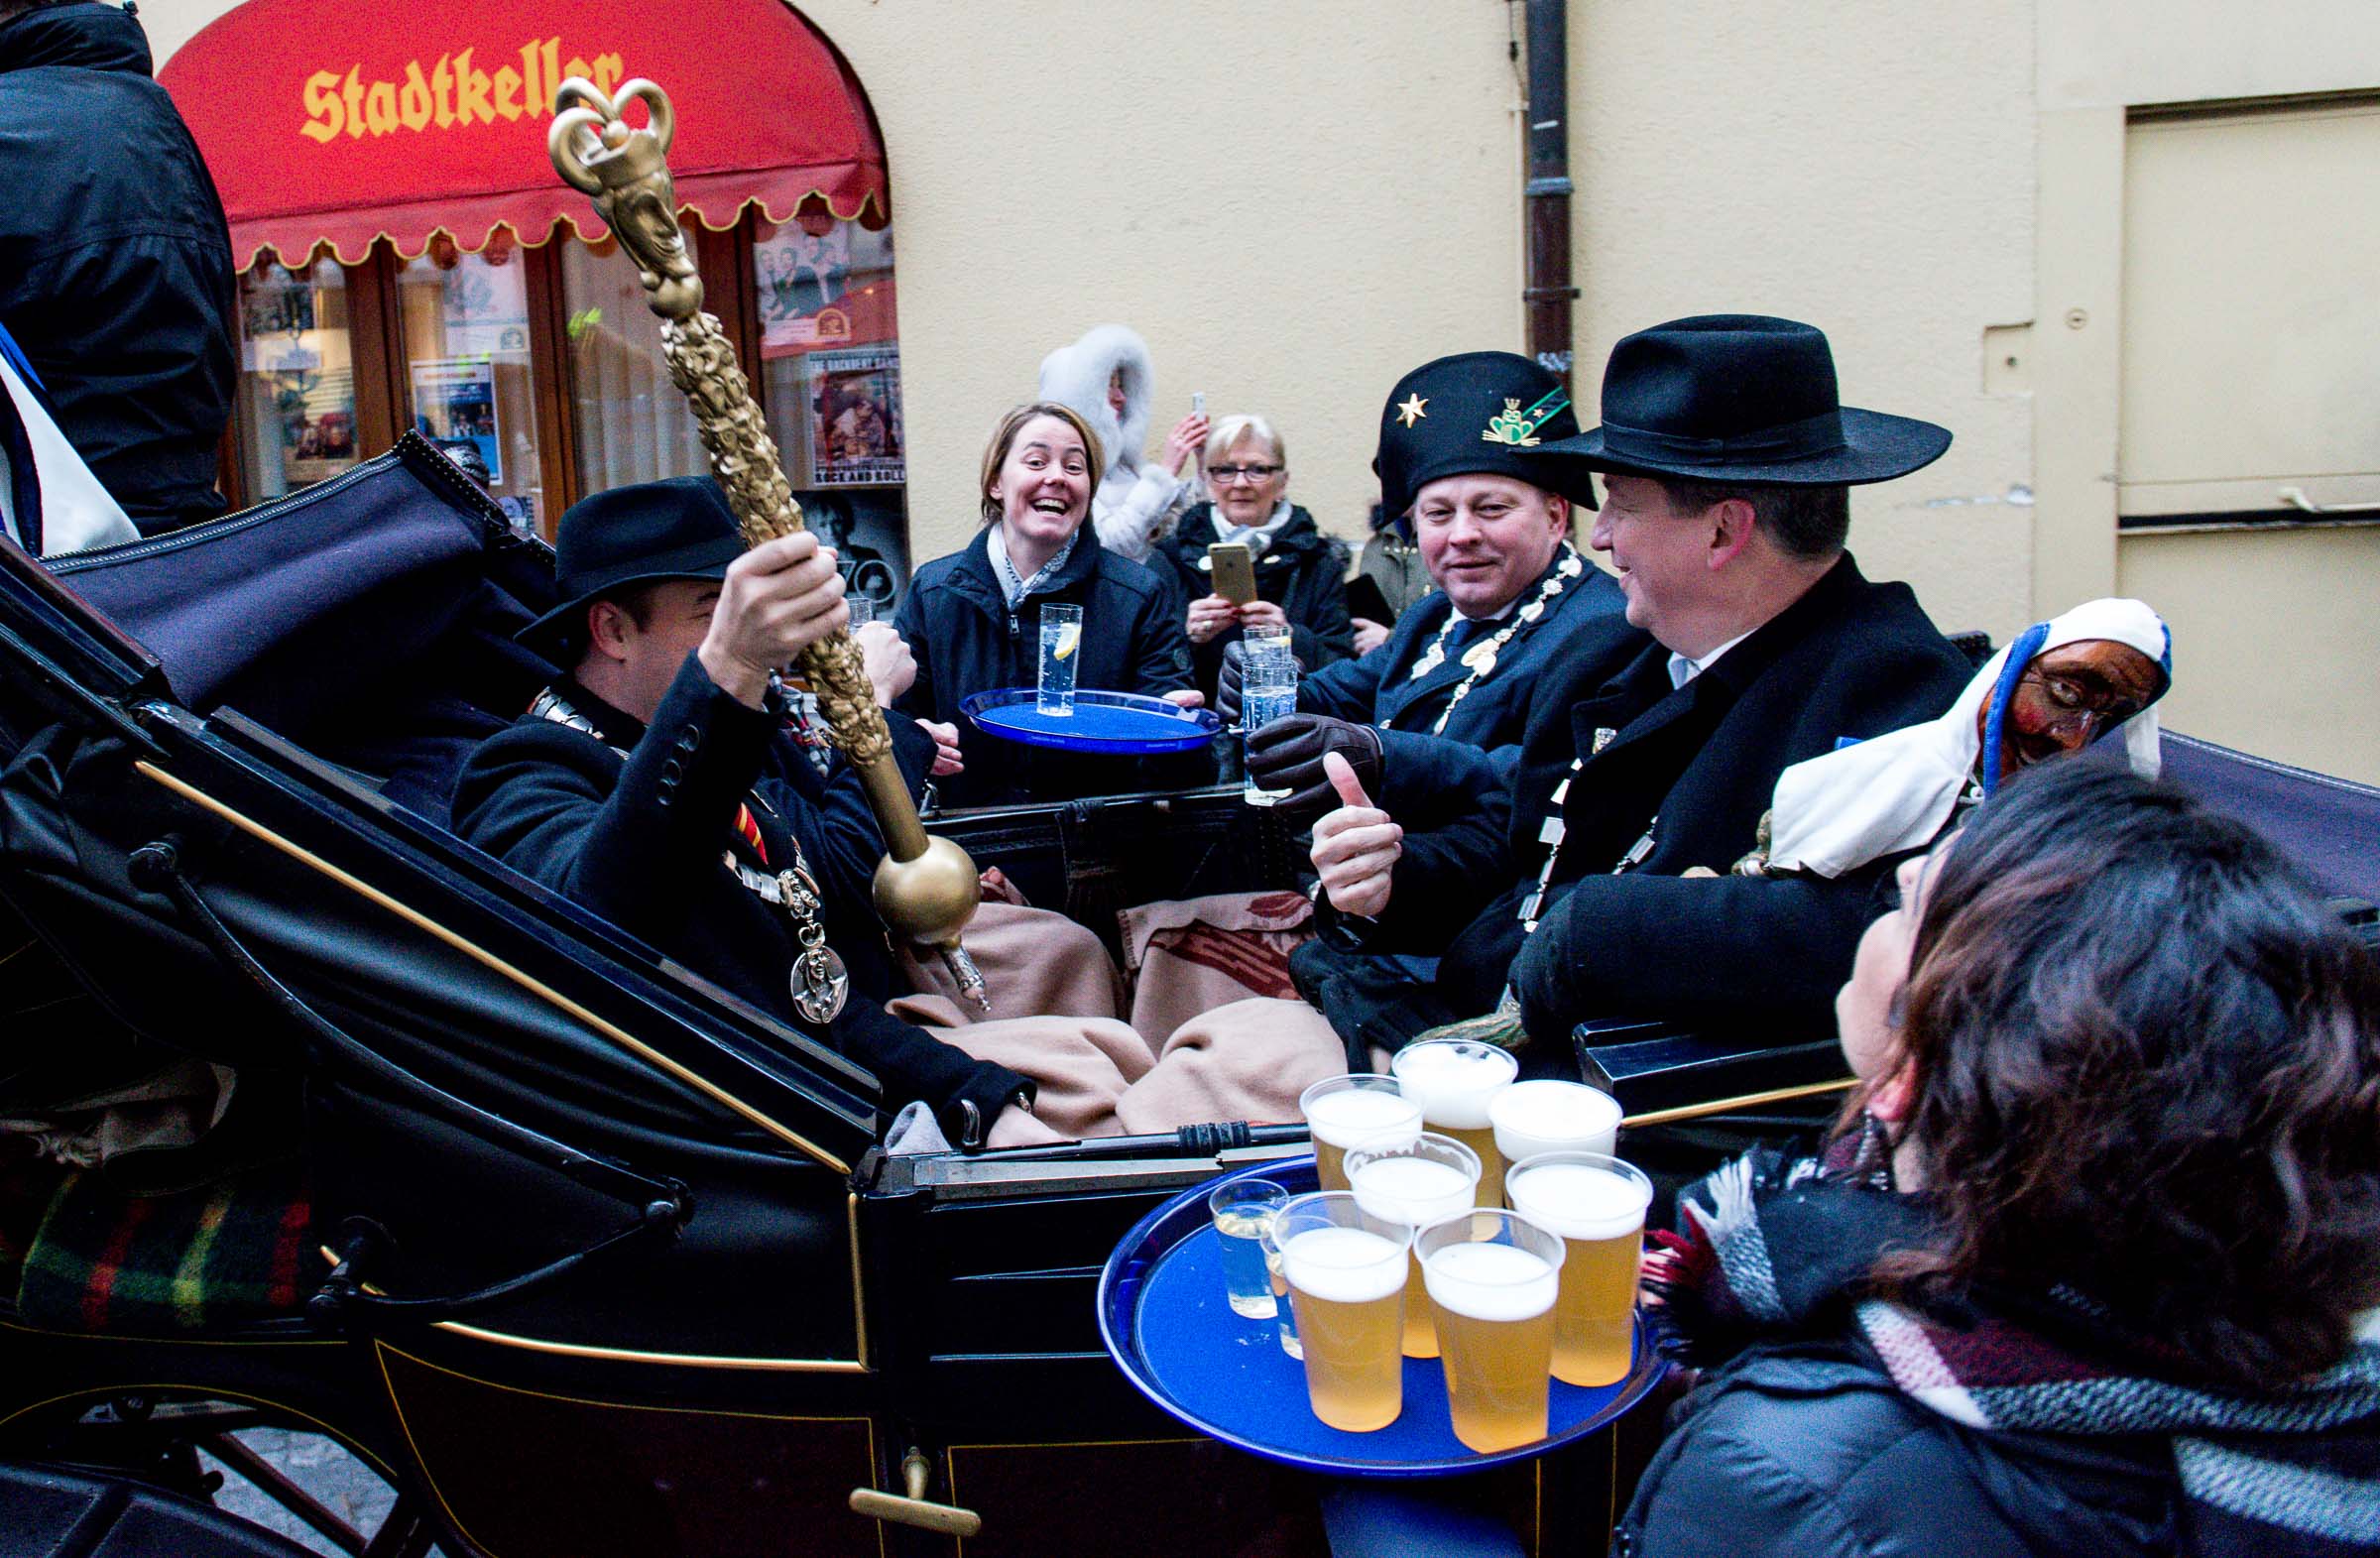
(925, 889)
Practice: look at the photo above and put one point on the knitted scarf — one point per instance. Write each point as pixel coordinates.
(1775, 1247)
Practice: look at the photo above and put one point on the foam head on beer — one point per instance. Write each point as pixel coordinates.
(1344, 1111)
(1415, 1182)
(1493, 1282)
(1579, 1200)
(1454, 1081)
(1344, 1266)
(1553, 1116)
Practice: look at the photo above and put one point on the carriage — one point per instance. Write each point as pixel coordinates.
(580, 1253)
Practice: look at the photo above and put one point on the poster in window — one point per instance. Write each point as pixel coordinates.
(455, 408)
(483, 307)
(802, 276)
(855, 417)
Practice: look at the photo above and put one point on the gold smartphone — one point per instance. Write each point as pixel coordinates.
(1234, 572)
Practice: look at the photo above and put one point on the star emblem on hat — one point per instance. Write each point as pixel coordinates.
(1409, 410)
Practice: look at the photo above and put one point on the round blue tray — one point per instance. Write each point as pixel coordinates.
(1124, 723)
(1162, 1314)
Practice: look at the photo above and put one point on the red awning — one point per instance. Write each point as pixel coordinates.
(339, 122)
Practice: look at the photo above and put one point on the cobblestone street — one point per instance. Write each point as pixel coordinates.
(323, 1468)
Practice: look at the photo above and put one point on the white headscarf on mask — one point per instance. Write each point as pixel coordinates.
(1894, 791)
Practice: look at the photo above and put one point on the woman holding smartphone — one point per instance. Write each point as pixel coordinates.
(973, 619)
(1275, 570)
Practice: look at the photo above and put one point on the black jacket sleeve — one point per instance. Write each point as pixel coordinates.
(546, 801)
(909, 622)
(1345, 689)
(912, 1063)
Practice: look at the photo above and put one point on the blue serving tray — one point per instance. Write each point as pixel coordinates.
(1165, 1321)
(1123, 723)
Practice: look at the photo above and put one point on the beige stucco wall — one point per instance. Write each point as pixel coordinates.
(1293, 204)
(1865, 165)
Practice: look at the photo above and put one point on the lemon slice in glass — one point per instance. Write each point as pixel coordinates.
(1068, 637)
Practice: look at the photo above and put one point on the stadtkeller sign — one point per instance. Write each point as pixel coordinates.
(457, 88)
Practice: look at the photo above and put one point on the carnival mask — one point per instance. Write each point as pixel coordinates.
(2070, 696)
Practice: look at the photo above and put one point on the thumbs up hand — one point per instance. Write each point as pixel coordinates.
(1357, 846)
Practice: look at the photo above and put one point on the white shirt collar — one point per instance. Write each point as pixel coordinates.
(1683, 670)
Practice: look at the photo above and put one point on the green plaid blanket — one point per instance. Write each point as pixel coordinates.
(197, 1260)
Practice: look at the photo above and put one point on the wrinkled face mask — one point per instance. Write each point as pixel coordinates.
(2070, 696)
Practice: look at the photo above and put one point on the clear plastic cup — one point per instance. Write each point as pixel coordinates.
(1346, 1281)
(1594, 1204)
(1242, 1209)
(1267, 691)
(1416, 1182)
(1493, 1279)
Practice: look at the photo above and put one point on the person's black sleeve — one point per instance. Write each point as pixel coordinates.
(909, 622)
(1767, 953)
(911, 1062)
(830, 814)
(544, 801)
(1346, 688)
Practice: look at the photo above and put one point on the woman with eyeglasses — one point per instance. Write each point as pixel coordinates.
(2091, 1265)
(1301, 573)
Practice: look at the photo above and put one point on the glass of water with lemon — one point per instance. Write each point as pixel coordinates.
(1061, 637)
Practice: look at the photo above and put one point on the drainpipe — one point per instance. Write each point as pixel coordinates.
(1547, 291)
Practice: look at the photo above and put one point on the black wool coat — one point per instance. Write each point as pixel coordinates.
(965, 639)
(1302, 571)
(1670, 778)
(1379, 689)
(116, 260)
(638, 840)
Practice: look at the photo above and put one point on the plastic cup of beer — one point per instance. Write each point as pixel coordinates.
(1242, 1209)
(1346, 1281)
(1454, 1080)
(1415, 1182)
(1343, 1110)
(1595, 1204)
(1553, 1116)
(1493, 1277)
(1285, 1313)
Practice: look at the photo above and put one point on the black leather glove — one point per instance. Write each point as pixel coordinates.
(1287, 755)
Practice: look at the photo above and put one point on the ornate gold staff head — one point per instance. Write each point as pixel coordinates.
(623, 170)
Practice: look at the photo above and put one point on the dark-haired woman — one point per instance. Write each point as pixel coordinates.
(2091, 1269)
(972, 620)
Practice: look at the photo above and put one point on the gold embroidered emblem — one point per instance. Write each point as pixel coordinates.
(1509, 427)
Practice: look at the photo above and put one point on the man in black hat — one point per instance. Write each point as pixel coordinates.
(654, 784)
(1584, 886)
(1494, 529)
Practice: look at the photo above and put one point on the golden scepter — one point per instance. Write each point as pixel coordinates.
(925, 889)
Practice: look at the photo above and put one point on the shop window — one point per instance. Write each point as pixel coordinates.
(470, 382)
(830, 358)
(296, 395)
(628, 422)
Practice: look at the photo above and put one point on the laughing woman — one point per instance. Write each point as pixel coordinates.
(973, 619)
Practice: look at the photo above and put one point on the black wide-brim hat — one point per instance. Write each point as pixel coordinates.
(680, 528)
(1474, 414)
(1739, 398)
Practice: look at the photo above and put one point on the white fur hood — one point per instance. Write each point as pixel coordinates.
(1077, 377)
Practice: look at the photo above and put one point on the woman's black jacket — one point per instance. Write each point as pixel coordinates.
(966, 640)
(1302, 571)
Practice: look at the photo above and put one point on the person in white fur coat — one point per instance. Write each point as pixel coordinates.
(1104, 379)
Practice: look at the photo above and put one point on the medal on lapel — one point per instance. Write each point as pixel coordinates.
(1481, 657)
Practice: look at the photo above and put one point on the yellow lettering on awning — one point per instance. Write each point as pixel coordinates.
(450, 92)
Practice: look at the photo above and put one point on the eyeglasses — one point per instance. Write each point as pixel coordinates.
(1225, 475)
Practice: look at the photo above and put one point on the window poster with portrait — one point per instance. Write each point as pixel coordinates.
(855, 417)
(299, 383)
(821, 282)
(454, 402)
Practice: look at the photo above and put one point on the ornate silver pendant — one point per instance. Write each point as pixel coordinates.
(1481, 657)
(821, 984)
